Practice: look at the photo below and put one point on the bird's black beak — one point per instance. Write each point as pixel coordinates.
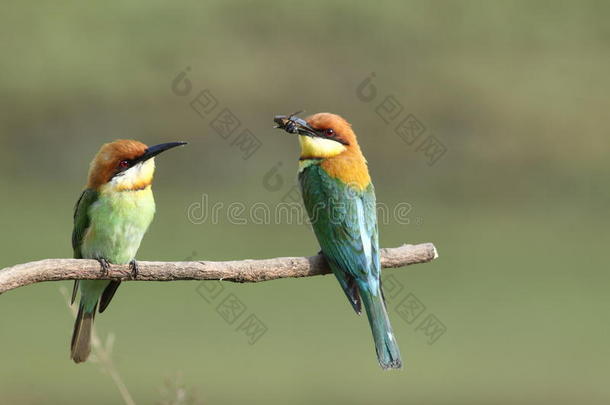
(294, 125)
(153, 151)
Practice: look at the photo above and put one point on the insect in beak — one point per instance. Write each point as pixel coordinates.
(294, 125)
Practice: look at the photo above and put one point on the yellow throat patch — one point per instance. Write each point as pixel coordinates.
(319, 148)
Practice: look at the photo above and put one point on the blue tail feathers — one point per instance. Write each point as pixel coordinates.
(388, 353)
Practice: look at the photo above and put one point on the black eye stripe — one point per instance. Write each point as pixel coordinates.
(330, 133)
(124, 165)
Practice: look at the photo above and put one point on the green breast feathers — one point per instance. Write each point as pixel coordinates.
(111, 225)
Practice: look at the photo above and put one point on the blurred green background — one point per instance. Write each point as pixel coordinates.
(516, 92)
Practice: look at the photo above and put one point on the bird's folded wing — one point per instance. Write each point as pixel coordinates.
(344, 221)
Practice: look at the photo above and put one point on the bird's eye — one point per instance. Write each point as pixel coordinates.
(123, 164)
(330, 132)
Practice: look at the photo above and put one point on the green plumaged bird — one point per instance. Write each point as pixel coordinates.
(110, 219)
(340, 201)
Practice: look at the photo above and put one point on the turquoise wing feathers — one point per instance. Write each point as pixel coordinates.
(345, 223)
(344, 220)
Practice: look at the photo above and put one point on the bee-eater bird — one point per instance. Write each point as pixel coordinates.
(340, 201)
(110, 219)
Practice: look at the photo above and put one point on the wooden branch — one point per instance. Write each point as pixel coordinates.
(237, 271)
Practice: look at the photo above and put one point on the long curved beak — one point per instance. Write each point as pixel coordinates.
(153, 151)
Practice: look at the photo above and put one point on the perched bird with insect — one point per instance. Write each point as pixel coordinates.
(340, 201)
(110, 219)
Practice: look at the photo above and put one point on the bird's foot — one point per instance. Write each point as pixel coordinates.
(104, 265)
(135, 269)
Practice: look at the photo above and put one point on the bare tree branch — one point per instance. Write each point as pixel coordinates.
(237, 271)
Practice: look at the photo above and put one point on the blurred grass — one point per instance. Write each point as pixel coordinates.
(517, 207)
